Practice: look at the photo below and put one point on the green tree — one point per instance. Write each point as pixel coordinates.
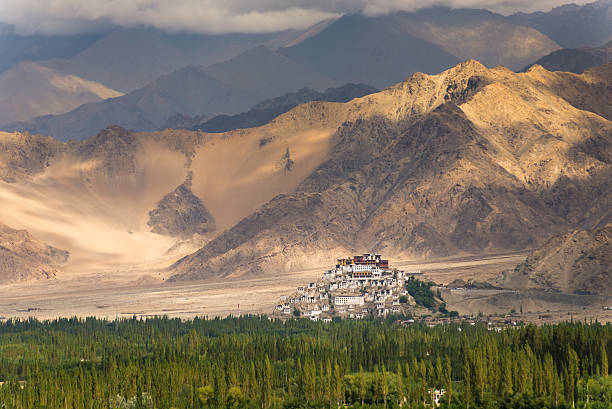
(362, 384)
(267, 383)
(205, 394)
(604, 359)
(235, 398)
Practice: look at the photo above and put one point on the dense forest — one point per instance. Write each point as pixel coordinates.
(255, 362)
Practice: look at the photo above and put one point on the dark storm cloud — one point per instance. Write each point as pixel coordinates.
(217, 16)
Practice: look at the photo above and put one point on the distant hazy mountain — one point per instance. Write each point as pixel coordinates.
(576, 59)
(386, 49)
(15, 48)
(127, 59)
(121, 60)
(357, 49)
(229, 87)
(265, 111)
(573, 26)
(29, 89)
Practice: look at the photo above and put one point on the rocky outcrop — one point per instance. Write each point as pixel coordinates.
(576, 262)
(23, 257)
(181, 214)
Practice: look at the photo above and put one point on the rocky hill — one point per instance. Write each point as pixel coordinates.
(576, 59)
(181, 213)
(576, 262)
(23, 257)
(472, 160)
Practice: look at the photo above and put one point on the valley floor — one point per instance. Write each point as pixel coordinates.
(107, 295)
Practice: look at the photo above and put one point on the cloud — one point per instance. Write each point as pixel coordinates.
(217, 16)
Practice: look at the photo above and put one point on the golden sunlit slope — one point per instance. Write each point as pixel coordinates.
(467, 161)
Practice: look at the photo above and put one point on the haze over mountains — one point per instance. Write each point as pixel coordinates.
(121, 60)
(230, 87)
(379, 51)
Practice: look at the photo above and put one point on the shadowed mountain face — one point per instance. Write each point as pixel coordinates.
(576, 59)
(360, 49)
(573, 26)
(265, 111)
(228, 87)
(386, 49)
(576, 262)
(472, 160)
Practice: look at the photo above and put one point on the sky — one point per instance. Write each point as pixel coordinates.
(219, 16)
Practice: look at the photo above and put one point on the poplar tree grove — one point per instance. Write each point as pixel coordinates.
(256, 362)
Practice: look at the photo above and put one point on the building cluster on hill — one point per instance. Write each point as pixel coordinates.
(356, 287)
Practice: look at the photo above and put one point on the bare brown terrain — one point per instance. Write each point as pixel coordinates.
(112, 293)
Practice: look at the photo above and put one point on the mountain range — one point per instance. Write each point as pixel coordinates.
(230, 87)
(386, 49)
(139, 62)
(572, 25)
(121, 60)
(470, 161)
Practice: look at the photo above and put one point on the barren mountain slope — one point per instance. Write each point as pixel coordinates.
(471, 160)
(103, 198)
(23, 257)
(576, 262)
